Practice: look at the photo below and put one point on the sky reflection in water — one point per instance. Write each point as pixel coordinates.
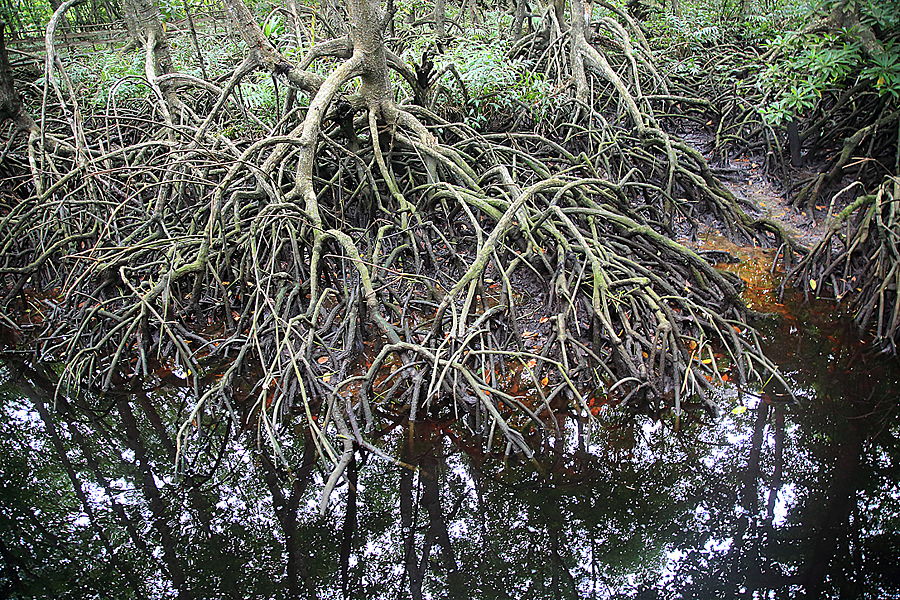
(778, 501)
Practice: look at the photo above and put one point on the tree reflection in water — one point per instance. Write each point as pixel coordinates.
(780, 501)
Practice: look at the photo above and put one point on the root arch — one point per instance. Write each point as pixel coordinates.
(373, 255)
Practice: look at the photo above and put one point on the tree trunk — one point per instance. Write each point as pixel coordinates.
(148, 19)
(559, 11)
(474, 16)
(264, 53)
(440, 20)
(367, 34)
(13, 15)
(333, 16)
(64, 24)
(391, 8)
(519, 18)
(11, 106)
(190, 18)
(132, 25)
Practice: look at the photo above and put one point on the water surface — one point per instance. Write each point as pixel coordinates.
(771, 500)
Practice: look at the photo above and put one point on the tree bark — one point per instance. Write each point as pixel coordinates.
(440, 20)
(519, 18)
(147, 20)
(11, 106)
(190, 18)
(367, 34)
(131, 24)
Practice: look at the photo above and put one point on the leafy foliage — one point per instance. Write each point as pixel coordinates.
(100, 76)
(258, 91)
(813, 64)
(104, 74)
(884, 70)
(498, 87)
(702, 24)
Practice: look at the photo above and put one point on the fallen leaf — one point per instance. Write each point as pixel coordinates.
(322, 360)
(545, 381)
(544, 319)
(813, 284)
(327, 378)
(739, 410)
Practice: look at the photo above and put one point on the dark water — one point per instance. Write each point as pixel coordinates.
(778, 501)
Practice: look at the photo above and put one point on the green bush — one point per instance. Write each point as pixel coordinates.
(701, 24)
(813, 64)
(498, 86)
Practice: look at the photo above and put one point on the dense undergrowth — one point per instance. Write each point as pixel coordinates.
(813, 93)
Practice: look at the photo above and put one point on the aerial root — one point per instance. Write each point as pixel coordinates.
(858, 258)
(356, 265)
